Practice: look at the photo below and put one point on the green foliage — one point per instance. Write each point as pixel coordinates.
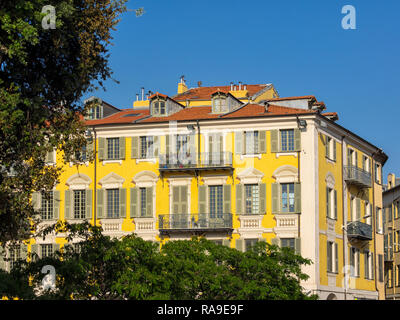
(131, 268)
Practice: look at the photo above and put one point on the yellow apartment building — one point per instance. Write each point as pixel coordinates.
(236, 164)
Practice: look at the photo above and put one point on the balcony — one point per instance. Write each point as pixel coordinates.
(359, 230)
(168, 223)
(195, 161)
(356, 176)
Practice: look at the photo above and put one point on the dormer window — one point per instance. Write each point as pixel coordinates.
(159, 107)
(219, 103)
(95, 112)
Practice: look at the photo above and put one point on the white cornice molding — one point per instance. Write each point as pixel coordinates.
(111, 181)
(145, 179)
(78, 181)
(286, 174)
(250, 176)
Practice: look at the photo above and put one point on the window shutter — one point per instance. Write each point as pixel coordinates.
(202, 199)
(238, 142)
(297, 246)
(176, 200)
(356, 161)
(23, 251)
(100, 204)
(122, 148)
(135, 147)
(336, 258)
(226, 243)
(36, 201)
(366, 271)
(56, 247)
(240, 245)
(327, 147)
(328, 203)
(275, 197)
(334, 150)
(50, 158)
(67, 204)
(297, 197)
(358, 208)
(88, 202)
(56, 205)
(134, 202)
(89, 148)
(335, 199)
(276, 241)
(167, 144)
(358, 262)
(274, 141)
(149, 202)
(184, 199)
(372, 267)
(262, 141)
(156, 146)
(122, 202)
(2, 257)
(102, 148)
(239, 199)
(297, 140)
(227, 198)
(35, 253)
(329, 256)
(262, 189)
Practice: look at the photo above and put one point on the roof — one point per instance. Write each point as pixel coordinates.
(204, 93)
(294, 98)
(124, 116)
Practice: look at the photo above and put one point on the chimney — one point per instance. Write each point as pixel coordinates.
(231, 86)
(147, 96)
(182, 85)
(142, 93)
(137, 96)
(245, 87)
(199, 83)
(240, 85)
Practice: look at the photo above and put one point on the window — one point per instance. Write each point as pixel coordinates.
(252, 198)
(95, 112)
(330, 148)
(182, 144)
(377, 173)
(368, 213)
(217, 242)
(331, 203)
(248, 243)
(146, 147)
(251, 142)
(112, 203)
(112, 148)
(15, 255)
(354, 262)
(215, 201)
(332, 257)
(380, 267)
(287, 140)
(46, 250)
(47, 206)
(288, 243)
(143, 195)
(365, 164)
(82, 154)
(287, 197)
(159, 107)
(351, 157)
(379, 222)
(79, 204)
(219, 104)
(368, 265)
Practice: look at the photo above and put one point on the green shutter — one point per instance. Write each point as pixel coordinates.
(23, 251)
(135, 147)
(35, 253)
(336, 258)
(202, 199)
(56, 205)
(167, 144)
(134, 202)
(50, 158)
(88, 201)
(275, 197)
(329, 256)
(227, 198)
(262, 141)
(327, 147)
(100, 204)
(2, 257)
(356, 154)
(183, 202)
(274, 141)
(334, 149)
(36, 201)
(226, 243)
(262, 188)
(335, 199)
(56, 247)
(149, 202)
(240, 245)
(297, 140)
(67, 205)
(176, 200)
(349, 158)
(297, 197)
(156, 146)
(122, 148)
(276, 241)
(297, 246)
(102, 148)
(328, 203)
(366, 271)
(239, 145)
(239, 199)
(358, 208)
(122, 203)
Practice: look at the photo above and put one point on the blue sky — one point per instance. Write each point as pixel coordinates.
(298, 45)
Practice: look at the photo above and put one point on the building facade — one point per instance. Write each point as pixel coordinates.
(236, 164)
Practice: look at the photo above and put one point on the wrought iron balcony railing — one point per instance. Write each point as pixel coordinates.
(201, 221)
(203, 160)
(359, 230)
(357, 176)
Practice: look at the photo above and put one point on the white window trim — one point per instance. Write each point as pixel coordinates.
(111, 181)
(104, 162)
(250, 176)
(78, 181)
(286, 174)
(174, 182)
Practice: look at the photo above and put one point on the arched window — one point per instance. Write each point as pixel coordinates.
(219, 103)
(158, 107)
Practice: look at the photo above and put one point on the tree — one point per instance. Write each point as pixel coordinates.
(44, 73)
(197, 269)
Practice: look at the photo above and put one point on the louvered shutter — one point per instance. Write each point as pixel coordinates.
(36, 200)
(135, 147)
(297, 197)
(239, 199)
(262, 141)
(35, 253)
(2, 257)
(122, 148)
(336, 258)
(262, 187)
(329, 256)
(328, 203)
(56, 205)
(134, 202)
(226, 243)
(202, 199)
(88, 202)
(297, 246)
(276, 241)
(156, 146)
(102, 148)
(297, 140)
(100, 204)
(240, 245)
(175, 200)
(335, 199)
(227, 198)
(274, 140)
(239, 142)
(358, 208)
(67, 205)
(327, 147)
(149, 202)
(122, 203)
(275, 197)
(334, 150)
